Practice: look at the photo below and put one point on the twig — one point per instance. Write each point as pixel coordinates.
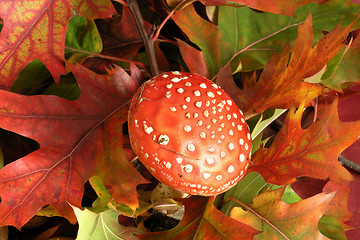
(148, 42)
(157, 33)
(259, 216)
(349, 164)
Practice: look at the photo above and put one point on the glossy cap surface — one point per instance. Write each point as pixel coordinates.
(189, 133)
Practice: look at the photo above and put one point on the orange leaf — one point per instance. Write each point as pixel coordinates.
(284, 83)
(78, 139)
(215, 225)
(281, 83)
(311, 152)
(36, 30)
(279, 220)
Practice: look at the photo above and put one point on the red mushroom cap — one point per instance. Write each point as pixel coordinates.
(189, 133)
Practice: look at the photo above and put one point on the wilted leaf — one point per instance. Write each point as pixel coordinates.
(311, 152)
(277, 219)
(104, 225)
(36, 30)
(78, 139)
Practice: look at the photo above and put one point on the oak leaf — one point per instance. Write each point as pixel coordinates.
(208, 38)
(204, 221)
(37, 30)
(309, 152)
(344, 69)
(233, 31)
(278, 6)
(78, 139)
(103, 225)
(120, 36)
(279, 220)
(281, 82)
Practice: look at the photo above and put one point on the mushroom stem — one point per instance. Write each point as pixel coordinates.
(147, 40)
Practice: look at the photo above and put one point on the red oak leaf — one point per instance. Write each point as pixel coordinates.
(78, 139)
(309, 152)
(279, 220)
(120, 36)
(281, 82)
(36, 30)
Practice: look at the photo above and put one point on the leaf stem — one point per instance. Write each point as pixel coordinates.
(122, 2)
(259, 216)
(254, 43)
(148, 42)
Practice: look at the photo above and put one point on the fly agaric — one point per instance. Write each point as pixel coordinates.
(189, 133)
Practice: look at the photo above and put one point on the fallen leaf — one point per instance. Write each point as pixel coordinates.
(278, 220)
(78, 139)
(216, 225)
(120, 35)
(281, 82)
(102, 225)
(36, 30)
(234, 31)
(309, 152)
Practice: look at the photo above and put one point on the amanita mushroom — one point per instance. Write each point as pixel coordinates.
(189, 133)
